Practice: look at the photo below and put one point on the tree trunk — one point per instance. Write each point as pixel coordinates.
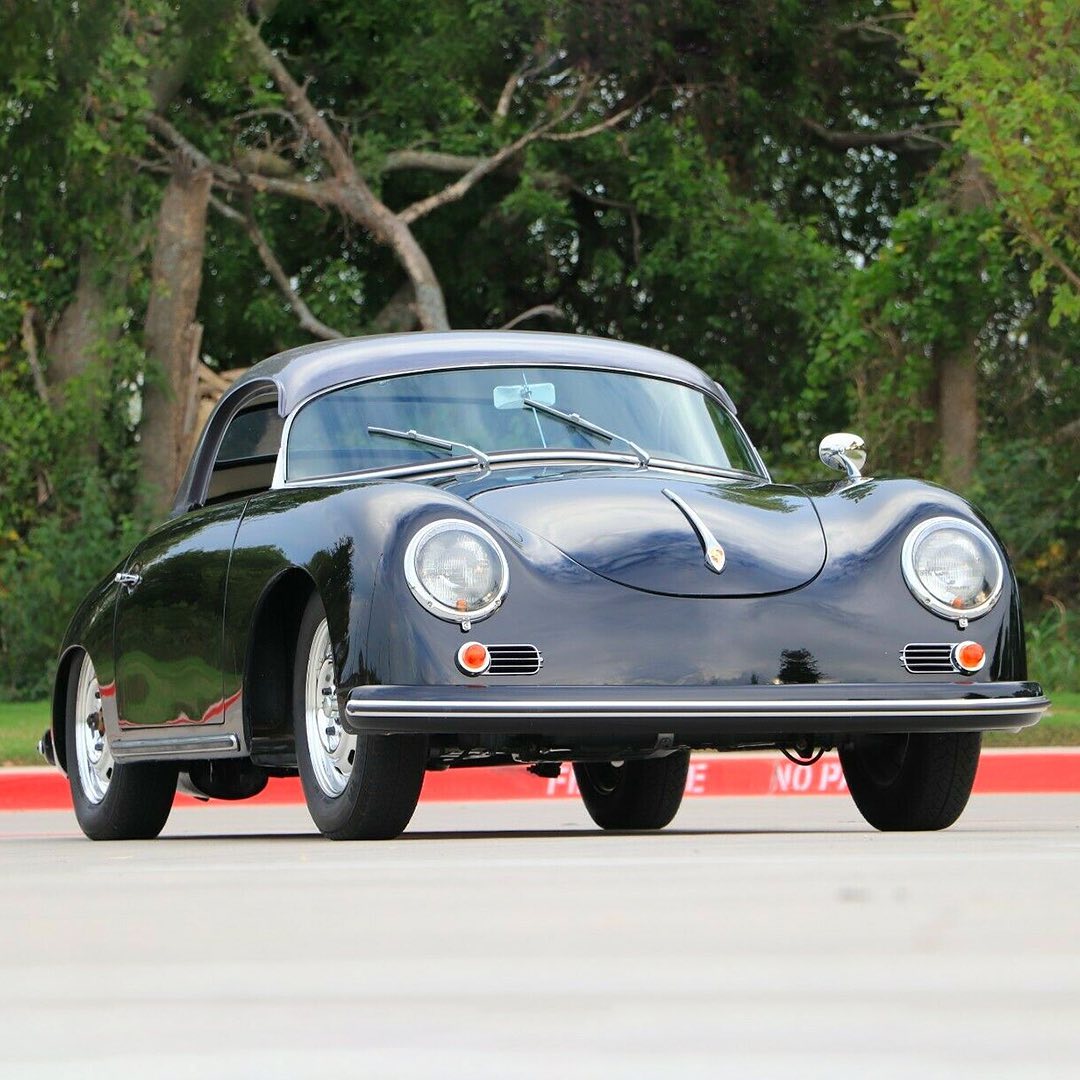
(958, 418)
(172, 337)
(79, 330)
(957, 375)
(398, 315)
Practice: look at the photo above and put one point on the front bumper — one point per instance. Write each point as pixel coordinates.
(694, 711)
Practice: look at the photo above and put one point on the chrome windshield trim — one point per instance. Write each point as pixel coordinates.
(509, 458)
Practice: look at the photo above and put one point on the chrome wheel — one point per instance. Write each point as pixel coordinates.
(94, 758)
(331, 749)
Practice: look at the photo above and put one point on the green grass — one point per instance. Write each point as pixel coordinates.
(1059, 727)
(21, 726)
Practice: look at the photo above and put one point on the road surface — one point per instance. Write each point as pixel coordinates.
(757, 937)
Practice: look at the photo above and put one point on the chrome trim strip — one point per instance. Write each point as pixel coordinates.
(176, 746)
(510, 458)
(715, 559)
(555, 708)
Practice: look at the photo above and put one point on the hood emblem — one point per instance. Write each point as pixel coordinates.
(715, 558)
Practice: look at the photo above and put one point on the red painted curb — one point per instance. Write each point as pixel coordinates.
(1000, 772)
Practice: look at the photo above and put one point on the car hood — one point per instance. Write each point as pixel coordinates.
(623, 527)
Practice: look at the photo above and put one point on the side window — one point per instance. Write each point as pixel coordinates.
(245, 460)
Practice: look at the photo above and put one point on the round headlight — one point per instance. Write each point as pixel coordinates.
(953, 567)
(456, 570)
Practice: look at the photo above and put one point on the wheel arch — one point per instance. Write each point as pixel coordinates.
(268, 668)
(61, 684)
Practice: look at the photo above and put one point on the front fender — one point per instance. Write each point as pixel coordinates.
(341, 537)
(866, 522)
(91, 631)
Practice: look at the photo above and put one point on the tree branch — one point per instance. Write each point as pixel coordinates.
(1068, 431)
(432, 160)
(551, 310)
(349, 191)
(502, 109)
(603, 125)
(30, 347)
(321, 192)
(398, 314)
(460, 188)
(304, 315)
(330, 146)
(911, 140)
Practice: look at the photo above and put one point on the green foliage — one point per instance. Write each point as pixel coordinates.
(21, 725)
(1031, 492)
(1009, 70)
(1053, 645)
(42, 575)
(821, 285)
(932, 290)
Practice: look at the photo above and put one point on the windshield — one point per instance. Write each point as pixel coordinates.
(488, 408)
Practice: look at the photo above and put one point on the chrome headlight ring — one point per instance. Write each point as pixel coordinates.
(424, 595)
(993, 568)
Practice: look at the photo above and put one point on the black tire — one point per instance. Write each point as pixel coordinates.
(382, 789)
(635, 794)
(911, 782)
(138, 798)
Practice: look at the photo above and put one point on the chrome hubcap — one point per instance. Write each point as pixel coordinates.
(93, 756)
(331, 749)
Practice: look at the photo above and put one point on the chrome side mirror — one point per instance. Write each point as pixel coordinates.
(843, 451)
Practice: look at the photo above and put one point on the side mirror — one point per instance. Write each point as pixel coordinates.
(843, 451)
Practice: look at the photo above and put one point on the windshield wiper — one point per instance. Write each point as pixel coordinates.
(429, 440)
(578, 421)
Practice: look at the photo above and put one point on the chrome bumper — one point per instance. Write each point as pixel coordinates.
(694, 711)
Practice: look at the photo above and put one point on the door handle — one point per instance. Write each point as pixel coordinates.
(127, 581)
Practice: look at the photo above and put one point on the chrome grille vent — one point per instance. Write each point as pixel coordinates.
(514, 660)
(928, 658)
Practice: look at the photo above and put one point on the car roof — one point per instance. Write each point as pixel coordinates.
(300, 373)
(297, 374)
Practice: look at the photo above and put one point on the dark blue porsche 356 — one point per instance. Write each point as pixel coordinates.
(433, 551)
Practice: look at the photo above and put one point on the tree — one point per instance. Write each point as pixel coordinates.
(771, 190)
(1009, 72)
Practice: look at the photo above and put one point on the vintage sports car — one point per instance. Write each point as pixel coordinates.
(442, 551)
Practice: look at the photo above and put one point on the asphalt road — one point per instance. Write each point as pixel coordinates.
(755, 938)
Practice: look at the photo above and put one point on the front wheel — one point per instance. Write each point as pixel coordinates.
(357, 787)
(914, 782)
(112, 801)
(633, 794)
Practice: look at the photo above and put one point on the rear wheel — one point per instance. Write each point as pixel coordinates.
(911, 782)
(112, 801)
(357, 787)
(633, 794)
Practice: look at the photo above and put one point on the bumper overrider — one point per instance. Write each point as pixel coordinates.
(695, 711)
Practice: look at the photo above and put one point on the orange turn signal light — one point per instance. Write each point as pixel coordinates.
(473, 658)
(969, 656)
